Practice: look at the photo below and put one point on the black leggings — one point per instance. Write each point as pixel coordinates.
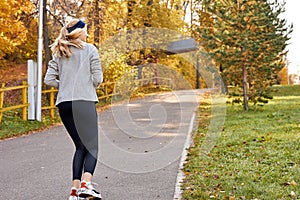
(81, 121)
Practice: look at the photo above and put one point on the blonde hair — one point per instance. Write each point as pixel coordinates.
(61, 46)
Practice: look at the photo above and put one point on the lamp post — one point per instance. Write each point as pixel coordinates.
(40, 64)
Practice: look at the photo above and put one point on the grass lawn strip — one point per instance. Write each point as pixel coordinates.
(257, 156)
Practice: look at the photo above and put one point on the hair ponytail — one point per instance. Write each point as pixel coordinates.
(61, 46)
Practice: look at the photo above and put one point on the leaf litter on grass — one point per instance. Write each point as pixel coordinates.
(256, 158)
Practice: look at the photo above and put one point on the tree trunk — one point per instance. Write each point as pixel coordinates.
(245, 87)
(46, 36)
(97, 24)
(130, 6)
(197, 73)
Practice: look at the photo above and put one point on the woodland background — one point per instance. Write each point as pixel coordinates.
(246, 39)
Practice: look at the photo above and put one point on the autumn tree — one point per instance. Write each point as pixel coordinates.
(283, 76)
(107, 18)
(130, 15)
(247, 39)
(56, 15)
(16, 30)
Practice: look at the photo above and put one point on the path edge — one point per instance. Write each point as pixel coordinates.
(188, 142)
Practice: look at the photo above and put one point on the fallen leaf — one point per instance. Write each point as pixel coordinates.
(293, 195)
(292, 183)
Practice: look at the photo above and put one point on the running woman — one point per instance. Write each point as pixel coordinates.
(76, 71)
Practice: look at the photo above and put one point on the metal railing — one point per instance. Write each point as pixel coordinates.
(105, 91)
(24, 105)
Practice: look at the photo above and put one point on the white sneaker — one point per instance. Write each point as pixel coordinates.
(73, 194)
(87, 191)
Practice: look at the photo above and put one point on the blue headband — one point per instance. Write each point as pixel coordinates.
(79, 24)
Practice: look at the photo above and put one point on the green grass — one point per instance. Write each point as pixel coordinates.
(257, 156)
(12, 124)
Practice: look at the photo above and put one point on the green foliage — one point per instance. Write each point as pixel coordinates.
(257, 156)
(248, 40)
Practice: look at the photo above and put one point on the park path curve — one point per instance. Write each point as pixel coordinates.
(141, 145)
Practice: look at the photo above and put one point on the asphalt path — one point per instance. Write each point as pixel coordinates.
(141, 144)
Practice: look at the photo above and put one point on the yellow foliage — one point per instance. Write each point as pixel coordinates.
(12, 30)
(283, 76)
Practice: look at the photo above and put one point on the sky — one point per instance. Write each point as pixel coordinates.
(292, 15)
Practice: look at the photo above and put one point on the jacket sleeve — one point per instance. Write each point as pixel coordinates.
(96, 69)
(52, 73)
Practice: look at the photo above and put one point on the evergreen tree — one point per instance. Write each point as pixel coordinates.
(248, 39)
